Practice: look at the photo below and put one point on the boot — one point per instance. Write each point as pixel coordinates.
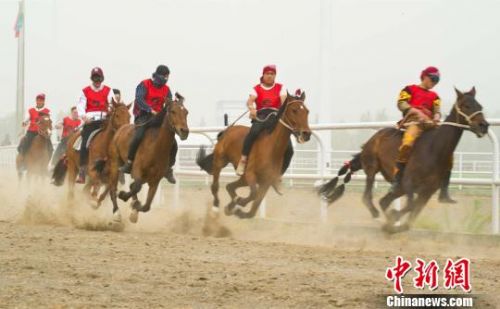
(444, 194)
(81, 175)
(240, 170)
(127, 167)
(398, 177)
(169, 175)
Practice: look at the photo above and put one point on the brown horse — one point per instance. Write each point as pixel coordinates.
(426, 168)
(98, 150)
(37, 158)
(152, 158)
(265, 160)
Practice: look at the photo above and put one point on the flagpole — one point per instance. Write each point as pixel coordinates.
(20, 73)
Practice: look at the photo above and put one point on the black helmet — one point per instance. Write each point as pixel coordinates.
(162, 70)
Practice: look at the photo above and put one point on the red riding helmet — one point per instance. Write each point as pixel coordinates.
(96, 72)
(432, 72)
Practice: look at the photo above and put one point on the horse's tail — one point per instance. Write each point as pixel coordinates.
(59, 173)
(99, 166)
(330, 191)
(204, 161)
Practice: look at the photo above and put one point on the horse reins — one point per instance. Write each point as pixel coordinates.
(459, 112)
(286, 125)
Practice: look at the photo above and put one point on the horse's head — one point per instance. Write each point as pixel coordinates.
(177, 116)
(44, 125)
(293, 115)
(119, 115)
(469, 112)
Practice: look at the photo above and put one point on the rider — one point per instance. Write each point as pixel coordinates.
(117, 95)
(31, 121)
(92, 108)
(150, 98)
(69, 124)
(421, 108)
(265, 98)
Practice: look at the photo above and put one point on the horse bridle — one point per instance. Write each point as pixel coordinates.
(42, 133)
(467, 118)
(170, 122)
(286, 125)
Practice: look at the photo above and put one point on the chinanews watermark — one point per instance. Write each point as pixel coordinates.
(454, 277)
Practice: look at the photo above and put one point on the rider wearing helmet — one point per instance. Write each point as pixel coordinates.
(265, 98)
(31, 121)
(151, 95)
(92, 108)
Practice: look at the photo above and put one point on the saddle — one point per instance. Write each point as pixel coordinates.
(78, 142)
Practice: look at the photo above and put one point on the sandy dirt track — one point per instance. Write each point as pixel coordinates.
(59, 255)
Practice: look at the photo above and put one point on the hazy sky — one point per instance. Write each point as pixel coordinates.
(216, 49)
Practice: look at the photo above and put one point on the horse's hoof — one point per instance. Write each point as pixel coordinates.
(117, 217)
(229, 209)
(375, 213)
(241, 214)
(134, 216)
(136, 205)
(215, 209)
(122, 195)
(392, 229)
(95, 205)
(388, 228)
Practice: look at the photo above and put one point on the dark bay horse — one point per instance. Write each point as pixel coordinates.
(37, 158)
(152, 158)
(98, 150)
(265, 160)
(426, 168)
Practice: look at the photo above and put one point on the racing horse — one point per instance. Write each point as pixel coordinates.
(426, 169)
(37, 158)
(265, 162)
(98, 152)
(152, 158)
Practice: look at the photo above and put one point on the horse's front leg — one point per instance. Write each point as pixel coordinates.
(231, 189)
(135, 187)
(259, 196)
(134, 215)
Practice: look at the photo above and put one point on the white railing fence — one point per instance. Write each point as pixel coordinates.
(482, 172)
(309, 165)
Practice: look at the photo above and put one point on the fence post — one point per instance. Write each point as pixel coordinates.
(495, 209)
(323, 205)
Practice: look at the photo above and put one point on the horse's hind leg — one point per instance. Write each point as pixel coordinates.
(215, 188)
(259, 196)
(368, 194)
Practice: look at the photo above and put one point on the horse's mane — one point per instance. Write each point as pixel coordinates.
(271, 123)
